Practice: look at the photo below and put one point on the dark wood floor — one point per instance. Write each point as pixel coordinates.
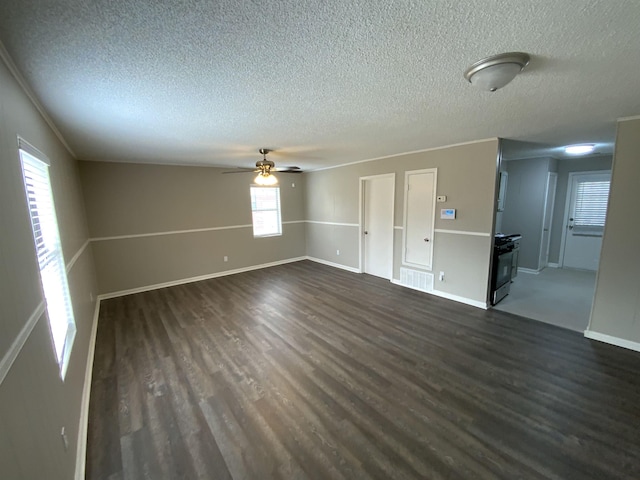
(306, 371)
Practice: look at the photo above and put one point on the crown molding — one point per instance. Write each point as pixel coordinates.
(13, 69)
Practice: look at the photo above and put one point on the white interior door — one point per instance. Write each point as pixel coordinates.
(418, 224)
(584, 225)
(378, 195)
(550, 199)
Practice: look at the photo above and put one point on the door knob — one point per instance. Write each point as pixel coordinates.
(426, 239)
(366, 233)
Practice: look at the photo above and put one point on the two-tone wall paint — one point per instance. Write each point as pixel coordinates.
(35, 403)
(154, 225)
(462, 247)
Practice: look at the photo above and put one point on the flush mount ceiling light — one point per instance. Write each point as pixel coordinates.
(495, 72)
(579, 149)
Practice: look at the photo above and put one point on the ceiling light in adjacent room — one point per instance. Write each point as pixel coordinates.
(495, 72)
(579, 149)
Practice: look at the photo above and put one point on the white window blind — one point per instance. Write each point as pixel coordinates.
(265, 211)
(49, 253)
(591, 207)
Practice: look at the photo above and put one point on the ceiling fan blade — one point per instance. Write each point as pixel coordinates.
(289, 170)
(243, 170)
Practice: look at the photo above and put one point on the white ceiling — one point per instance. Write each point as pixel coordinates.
(323, 82)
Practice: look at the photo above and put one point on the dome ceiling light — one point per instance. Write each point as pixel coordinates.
(495, 72)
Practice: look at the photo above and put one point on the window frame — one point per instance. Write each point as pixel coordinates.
(255, 210)
(52, 270)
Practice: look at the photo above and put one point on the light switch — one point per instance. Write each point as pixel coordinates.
(441, 198)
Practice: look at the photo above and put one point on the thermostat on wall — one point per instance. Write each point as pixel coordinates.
(448, 213)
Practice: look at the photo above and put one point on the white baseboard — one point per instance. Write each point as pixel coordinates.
(395, 281)
(448, 296)
(182, 281)
(457, 298)
(530, 271)
(617, 341)
(553, 265)
(83, 428)
(336, 265)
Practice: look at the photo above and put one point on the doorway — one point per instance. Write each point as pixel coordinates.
(551, 288)
(376, 241)
(584, 219)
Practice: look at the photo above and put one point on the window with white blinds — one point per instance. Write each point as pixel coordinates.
(265, 211)
(591, 206)
(53, 273)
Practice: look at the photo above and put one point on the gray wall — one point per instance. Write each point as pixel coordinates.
(524, 206)
(466, 175)
(616, 310)
(565, 167)
(154, 210)
(34, 402)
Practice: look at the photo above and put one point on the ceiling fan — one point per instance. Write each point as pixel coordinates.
(264, 169)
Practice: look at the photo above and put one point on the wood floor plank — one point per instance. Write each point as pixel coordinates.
(304, 371)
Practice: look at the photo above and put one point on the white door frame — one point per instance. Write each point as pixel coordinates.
(544, 218)
(361, 215)
(567, 208)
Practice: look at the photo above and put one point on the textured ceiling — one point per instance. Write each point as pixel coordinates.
(323, 82)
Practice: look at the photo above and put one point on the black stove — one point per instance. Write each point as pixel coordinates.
(505, 265)
(501, 239)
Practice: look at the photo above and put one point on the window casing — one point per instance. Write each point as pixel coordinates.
(53, 274)
(265, 211)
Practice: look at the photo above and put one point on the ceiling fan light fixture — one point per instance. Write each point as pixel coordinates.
(495, 72)
(265, 179)
(583, 149)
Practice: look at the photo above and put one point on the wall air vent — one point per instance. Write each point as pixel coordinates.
(422, 281)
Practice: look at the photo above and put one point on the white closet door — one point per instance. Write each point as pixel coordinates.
(419, 217)
(378, 226)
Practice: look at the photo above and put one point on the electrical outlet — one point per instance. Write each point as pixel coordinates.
(225, 258)
(441, 198)
(441, 277)
(338, 252)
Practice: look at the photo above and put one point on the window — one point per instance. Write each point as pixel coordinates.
(53, 274)
(591, 207)
(265, 210)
